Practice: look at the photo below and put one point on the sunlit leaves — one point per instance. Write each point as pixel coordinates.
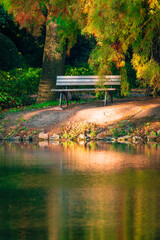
(119, 25)
(124, 82)
(148, 72)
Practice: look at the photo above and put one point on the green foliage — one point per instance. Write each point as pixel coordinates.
(9, 57)
(30, 48)
(120, 26)
(79, 71)
(124, 82)
(4, 17)
(73, 131)
(148, 72)
(17, 85)
(67, 29)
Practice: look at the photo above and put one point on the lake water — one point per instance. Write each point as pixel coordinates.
(73, 192)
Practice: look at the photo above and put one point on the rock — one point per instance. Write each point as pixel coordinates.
(54, 137)
(43, 136)
(17, 138)
(101, 136)
(128, 138)
(113, 139)
(121, 139)
(81, 137)
(14, 139)
(137, 139)
(125, 139)
(109, 139)
(25, 138)
(28, 138)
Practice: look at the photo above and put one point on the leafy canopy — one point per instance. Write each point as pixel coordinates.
(33, 14)
(117, 25)
(120, 25)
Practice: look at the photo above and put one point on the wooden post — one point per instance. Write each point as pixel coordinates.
(111, 96)
(60, 100)
(105, 98)
(66, 98)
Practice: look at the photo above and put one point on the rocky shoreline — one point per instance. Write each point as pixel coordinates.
(129, 121)
(125, 132)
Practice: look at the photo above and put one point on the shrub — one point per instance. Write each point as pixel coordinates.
(9, 57)
(78, 71)
(17, 85)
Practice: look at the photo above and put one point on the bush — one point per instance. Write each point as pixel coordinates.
(17, 85)
(78, 71)
(9, 57)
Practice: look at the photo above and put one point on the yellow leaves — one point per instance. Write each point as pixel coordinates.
(149, 71)
(87, 6)
(122, 64)
(153, 4)
(136, 60)
(124, 82)
(138, 64)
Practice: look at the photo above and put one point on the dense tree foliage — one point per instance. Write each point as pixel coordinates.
(30, 48)
(55, 15)
(9, 57)
(119, 26)
(126, 32)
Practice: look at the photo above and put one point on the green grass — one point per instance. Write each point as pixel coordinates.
(31, 107)
(38, 106)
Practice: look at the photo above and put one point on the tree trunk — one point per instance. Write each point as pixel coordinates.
(53, 64)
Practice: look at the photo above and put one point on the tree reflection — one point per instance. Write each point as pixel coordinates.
(93, 192)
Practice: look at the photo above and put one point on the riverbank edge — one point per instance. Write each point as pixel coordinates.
(128, 131)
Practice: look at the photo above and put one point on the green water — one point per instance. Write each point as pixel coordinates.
(94, 192)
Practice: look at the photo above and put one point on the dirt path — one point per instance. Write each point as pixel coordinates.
(53, 118)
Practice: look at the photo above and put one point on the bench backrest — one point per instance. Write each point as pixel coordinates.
(87, 80)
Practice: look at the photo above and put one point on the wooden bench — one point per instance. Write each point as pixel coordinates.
(70, 81)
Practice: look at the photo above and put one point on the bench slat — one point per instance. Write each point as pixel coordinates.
(85, 77)
(87, 80)
(82, 89)
(84, 84)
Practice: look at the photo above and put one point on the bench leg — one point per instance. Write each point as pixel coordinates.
(111, 96)
(60, 100)
(105, 99)
(66, 98)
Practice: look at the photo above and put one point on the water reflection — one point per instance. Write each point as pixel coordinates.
(93, 192)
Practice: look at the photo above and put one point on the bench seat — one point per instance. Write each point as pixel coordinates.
(69, 81)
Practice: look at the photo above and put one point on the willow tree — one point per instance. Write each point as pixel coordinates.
(55, 15)
(119, 26)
